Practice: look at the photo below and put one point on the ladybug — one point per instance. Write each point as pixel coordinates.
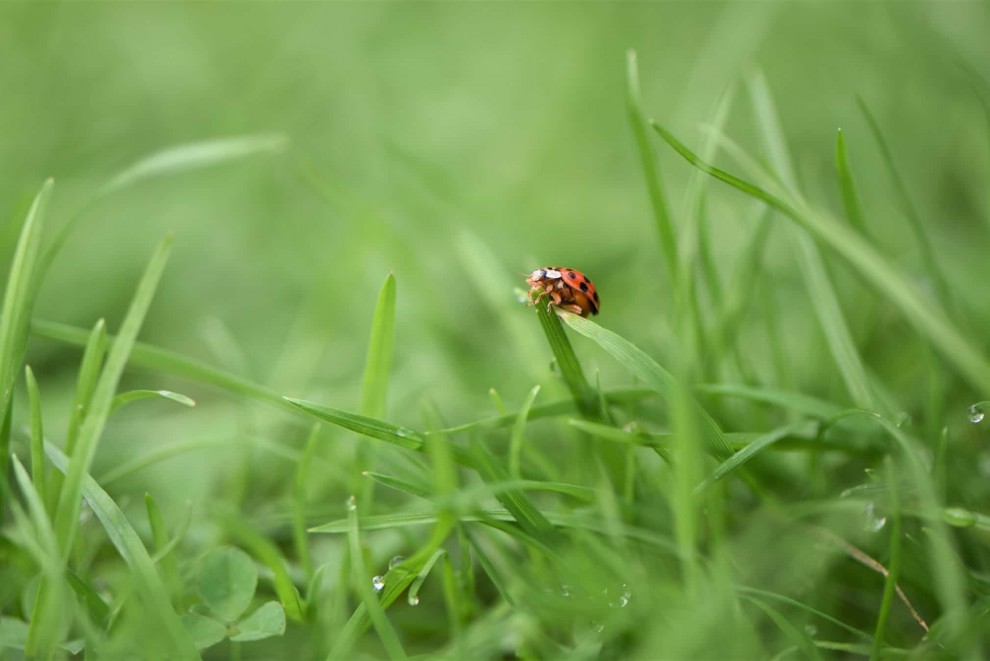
(565, 288)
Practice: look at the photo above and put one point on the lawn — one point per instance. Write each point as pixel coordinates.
(271, 388)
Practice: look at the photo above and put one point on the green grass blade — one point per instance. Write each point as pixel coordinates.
(38, 476)
(135, 395)
(376, 370)
(89, 373)
(15, 317)
(820, 290)
(362, 424)
(651, 171)
(893, 564)
(847, 185)
(785, 399)
(159, 535)
(362, 583)
(932, 267)
(643, 366)
(49, 619)
(67, 511)
(567, 362)
(268, 553)
(930, 321)
(754, 448)
(148, 583)
(155, 358)
(517, 436)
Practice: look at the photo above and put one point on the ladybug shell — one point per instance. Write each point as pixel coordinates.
(583, 292)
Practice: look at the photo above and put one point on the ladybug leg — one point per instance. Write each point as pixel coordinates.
(576, 309)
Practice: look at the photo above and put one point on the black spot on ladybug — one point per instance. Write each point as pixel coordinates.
(596, 297)
(572, 275)
(584, 286)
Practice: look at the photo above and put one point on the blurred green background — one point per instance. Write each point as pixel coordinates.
(460, 146)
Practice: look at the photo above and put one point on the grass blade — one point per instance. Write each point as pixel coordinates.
(754, 448)
(376, 370)
(134, 395)
(820, 290)
(38, 476)
(651, 171)
(847, 186)
(927, 318)
(517, 436)
(643, 366)
(567, 362)
(67, 511)
(124, 538)
(15, 317)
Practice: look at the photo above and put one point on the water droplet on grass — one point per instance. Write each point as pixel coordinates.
(394, 562)
(624, 598)
(976, 414)
(351, 503)
(811, 630)
(378, 583)
(413, 600)
(872, 521)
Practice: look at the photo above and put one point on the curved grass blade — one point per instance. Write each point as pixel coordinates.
(785, 399)
(134, 395)
(371, 427)
(643, 366)
(38, 477)
(67, 510)
(148, 583)
(925, 317)
(155, 358)
(893, 564)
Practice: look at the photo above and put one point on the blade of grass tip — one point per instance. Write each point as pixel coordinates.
(387, 635)
(826, 302)
(67, 510)
(567, 362)
(754, 448)
(651, 170)
(847, 185)
(799, 637)
(893, 563)
(171, 160)
(517, 436)
(932, 267)
(135, 395)
(89, 374)
(15, 314)
(49, 619)
(155, 358)
(374, 390)
(148, 583)
(38, 476)
(930, 321)
(643, 366)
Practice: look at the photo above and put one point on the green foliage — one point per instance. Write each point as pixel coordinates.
(771, 443)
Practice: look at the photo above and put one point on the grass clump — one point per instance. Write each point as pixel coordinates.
(766, 446)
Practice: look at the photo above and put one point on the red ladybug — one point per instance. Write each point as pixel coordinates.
(565, 288)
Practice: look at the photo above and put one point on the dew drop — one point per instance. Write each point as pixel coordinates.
(811, 630)
(872, 522)
(413, 600)
(378, 583)
(394, 562)
(565, 590)
(976, 414)
(625, 596)
(351, 503)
